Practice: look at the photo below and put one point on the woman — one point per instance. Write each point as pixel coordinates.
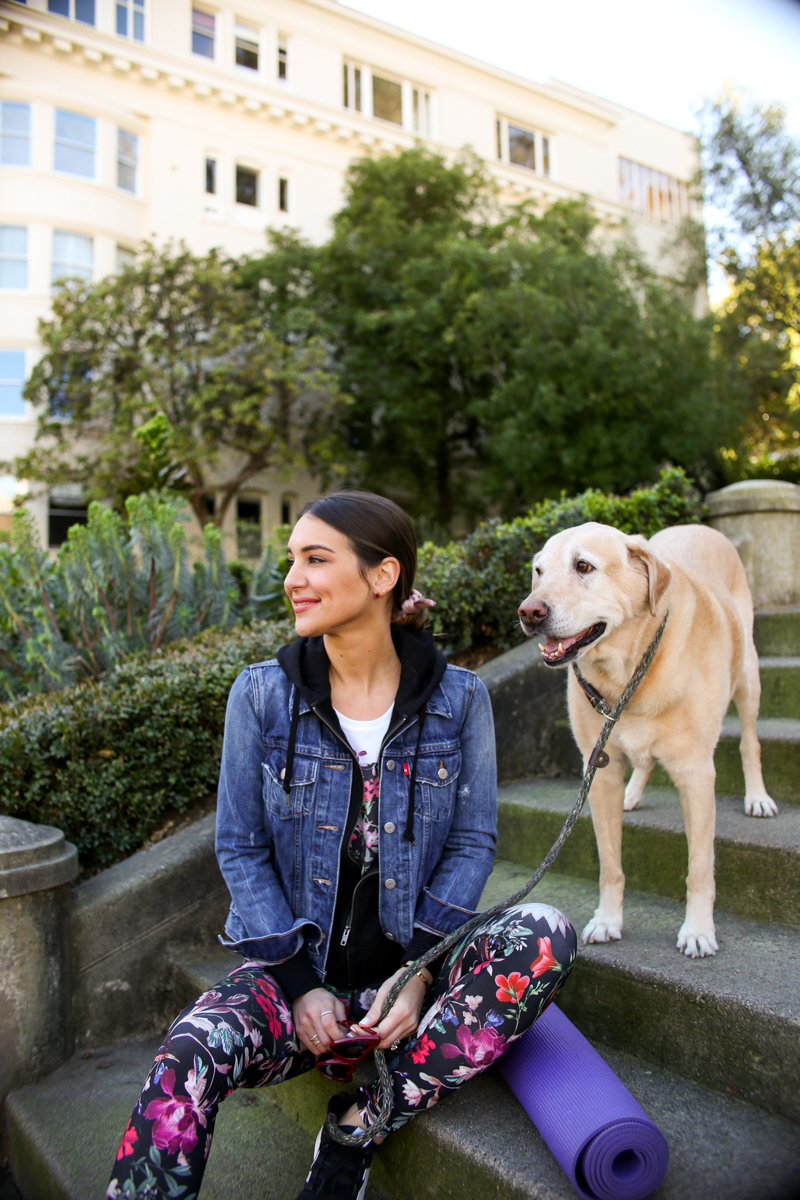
(355, 830)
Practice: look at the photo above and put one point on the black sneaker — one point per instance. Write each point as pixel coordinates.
(338, 1172)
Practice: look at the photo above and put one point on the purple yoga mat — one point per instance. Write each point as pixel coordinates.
(605, 1141)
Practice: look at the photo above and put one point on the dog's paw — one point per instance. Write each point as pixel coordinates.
(602, 929)
(696, 943)
(760, 806)
(632, 798)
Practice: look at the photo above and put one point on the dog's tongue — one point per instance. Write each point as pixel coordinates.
(552, 645)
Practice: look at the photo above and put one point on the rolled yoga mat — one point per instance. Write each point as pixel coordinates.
(605, 1142)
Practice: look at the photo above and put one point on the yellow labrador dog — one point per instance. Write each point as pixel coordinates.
(598, 597)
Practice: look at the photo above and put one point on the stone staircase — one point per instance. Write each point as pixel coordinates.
(710, 1048)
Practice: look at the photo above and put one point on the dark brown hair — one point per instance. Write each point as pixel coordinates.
(376, 528)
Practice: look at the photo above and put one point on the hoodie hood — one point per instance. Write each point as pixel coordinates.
(422, 666)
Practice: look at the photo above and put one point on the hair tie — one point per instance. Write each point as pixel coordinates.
(416, 602)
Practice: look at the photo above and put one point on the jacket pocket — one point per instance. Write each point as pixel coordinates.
(437, 784)
(299, 802)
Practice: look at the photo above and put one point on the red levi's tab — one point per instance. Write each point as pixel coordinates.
(406, 771)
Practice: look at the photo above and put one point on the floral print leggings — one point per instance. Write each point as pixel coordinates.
(488, 992)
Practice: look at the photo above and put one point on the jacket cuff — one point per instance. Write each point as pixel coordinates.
(295, 976)
(421, 941)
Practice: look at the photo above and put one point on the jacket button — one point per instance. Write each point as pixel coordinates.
(389, 827)
(390, 764)
(389, 936)
(442, 772)
(390, 883)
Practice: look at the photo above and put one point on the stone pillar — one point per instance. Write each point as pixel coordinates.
(36, 867)
(762, 519)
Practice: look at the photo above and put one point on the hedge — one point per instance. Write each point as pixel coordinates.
(478, 583)
(104, 761)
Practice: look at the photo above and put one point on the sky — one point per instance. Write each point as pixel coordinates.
(661, 58)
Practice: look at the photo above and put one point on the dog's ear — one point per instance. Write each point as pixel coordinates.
(641, 558)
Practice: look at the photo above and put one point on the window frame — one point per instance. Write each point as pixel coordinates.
(75, 274)
(255, 44)
(203, 33)
(418, 111)
(284, 194)
(10, 257)
(282, 60)
(256, 173)
(13, 381)
(74, 7)
(15, 135)
(131, 10)
(543, 146)
(60, 140)
(125, 162)
(644, 191)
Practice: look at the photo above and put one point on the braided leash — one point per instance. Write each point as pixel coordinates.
(597, 759)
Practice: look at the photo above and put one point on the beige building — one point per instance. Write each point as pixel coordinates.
(130, 119)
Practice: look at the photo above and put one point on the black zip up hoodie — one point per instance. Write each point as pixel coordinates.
(365, 956)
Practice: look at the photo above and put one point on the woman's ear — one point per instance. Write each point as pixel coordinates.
(641, 558)
(384, 577)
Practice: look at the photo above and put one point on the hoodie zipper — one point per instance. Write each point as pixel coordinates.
(390, 734)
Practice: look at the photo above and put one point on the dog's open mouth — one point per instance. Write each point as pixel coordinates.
(556, 652)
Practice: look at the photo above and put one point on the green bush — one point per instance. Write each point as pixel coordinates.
(104, 760)
(478, 583)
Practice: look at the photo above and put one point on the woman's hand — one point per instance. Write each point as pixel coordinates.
(403, 1017)
(317, 1014)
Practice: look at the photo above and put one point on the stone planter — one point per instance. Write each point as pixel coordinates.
(762, 519)
(36, 868)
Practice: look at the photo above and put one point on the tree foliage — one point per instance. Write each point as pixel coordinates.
(171, 375)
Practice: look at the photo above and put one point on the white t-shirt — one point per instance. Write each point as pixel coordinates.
(365, 737)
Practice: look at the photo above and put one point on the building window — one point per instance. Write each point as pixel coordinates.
(283, 59)
(67, 507)
(421, 111)
(523, 147)
(387, 100)
(81, 10)
(287, 510)
(211, 176)
(125, 258)
(246, 186)
(248, 528)
(283, 195)
(352, 87)
(12, 381)
(130, 19)
(13, 256)
(75, 144)
(127, 146)
(202, 33)
(246, 46)
(652, 193)
(15, 134)
(73, 256)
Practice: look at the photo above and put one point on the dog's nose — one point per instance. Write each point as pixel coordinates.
(533, 612)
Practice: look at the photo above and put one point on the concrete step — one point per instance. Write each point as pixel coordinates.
(757, 860)
(777, 631)
(780, 758)
(780, 687)
(730, 1022)
(65, 1130)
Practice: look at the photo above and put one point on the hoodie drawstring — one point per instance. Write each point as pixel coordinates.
(289, 768)
(412, 785)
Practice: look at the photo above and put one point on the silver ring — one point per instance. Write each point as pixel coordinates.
(328, 1013)
(395, 1045)
(315, 1040)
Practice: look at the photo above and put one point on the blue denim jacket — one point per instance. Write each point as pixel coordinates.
(280, 854)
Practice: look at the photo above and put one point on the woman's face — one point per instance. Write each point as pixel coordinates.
(325, 583)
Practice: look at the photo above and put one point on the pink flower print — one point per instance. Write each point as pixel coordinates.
(513, 987)
(473, 1002)
(412, 1093)
(268, 1008)
(175, 1119)
(422, 1049)
(546, 959)
(129, 1139)
(479, 1048)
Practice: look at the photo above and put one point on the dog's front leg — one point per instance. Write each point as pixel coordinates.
(697, 935)
(605, 801)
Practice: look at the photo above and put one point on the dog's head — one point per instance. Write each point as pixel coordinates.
(588, 582)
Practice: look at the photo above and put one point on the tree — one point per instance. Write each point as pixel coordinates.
(168, 375)
(752, 171)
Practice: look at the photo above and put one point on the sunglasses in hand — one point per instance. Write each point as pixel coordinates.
(339, 1062)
